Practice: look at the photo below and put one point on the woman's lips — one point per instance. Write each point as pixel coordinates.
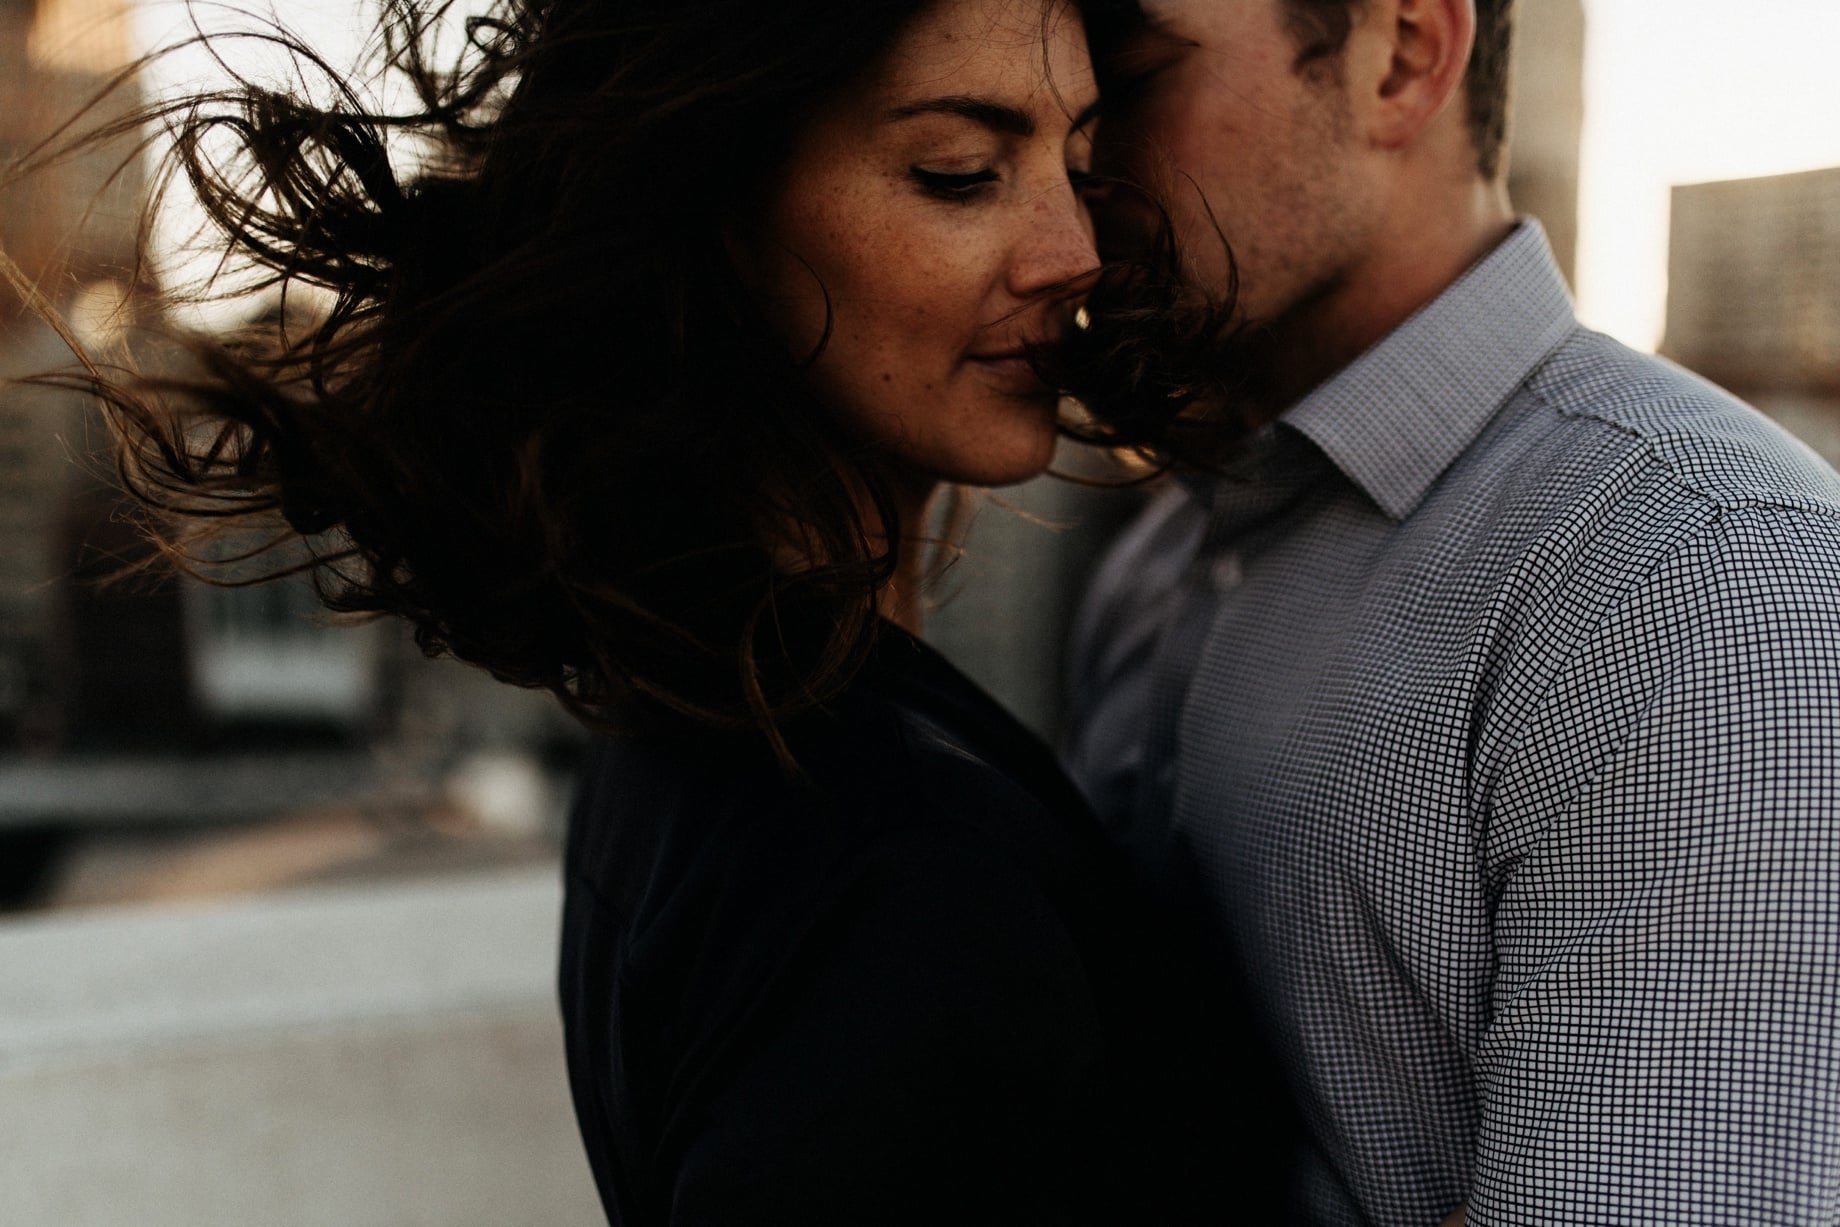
(1009, 371)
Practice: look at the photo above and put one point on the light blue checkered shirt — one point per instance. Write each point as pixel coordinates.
(1495, 705)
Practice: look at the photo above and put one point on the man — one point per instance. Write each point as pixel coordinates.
(1492, 700)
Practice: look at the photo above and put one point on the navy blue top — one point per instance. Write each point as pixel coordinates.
(918, 986)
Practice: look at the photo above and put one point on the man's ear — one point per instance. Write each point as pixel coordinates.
(1416, 52)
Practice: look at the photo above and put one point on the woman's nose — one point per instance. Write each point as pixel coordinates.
(1055, 243)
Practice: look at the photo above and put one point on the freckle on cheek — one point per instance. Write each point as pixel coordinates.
(887, 377)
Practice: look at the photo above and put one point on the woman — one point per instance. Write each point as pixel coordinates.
(640, 393)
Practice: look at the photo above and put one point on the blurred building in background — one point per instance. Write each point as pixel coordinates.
(1754, 295)
(71, 228)
(130, 705)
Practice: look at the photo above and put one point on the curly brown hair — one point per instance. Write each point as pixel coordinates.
(540, 417)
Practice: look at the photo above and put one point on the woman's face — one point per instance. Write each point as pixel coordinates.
(934, 204)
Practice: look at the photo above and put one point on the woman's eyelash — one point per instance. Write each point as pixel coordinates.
(947, 186)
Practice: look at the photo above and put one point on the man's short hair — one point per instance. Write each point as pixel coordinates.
(1322, 27)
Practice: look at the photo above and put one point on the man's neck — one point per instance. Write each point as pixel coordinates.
(1291, 356)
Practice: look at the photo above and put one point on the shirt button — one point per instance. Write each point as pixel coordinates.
(1228, 573)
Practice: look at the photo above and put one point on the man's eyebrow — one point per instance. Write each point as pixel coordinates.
(993, 115)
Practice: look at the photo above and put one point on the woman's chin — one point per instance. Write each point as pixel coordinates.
(1012, 465)
(991, 441)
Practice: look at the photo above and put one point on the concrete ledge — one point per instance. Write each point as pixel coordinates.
(336, 1058)
(119, 979)
(140, 790)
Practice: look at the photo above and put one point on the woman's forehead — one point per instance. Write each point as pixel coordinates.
(1020, 52)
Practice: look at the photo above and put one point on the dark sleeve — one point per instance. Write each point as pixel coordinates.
(919, 1061)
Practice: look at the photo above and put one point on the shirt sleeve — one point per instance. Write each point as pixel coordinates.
(917, 1062)
(1664, 1045)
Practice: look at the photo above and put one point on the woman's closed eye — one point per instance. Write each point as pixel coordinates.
(957, 186)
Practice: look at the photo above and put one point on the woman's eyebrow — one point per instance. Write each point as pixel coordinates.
(993, 115)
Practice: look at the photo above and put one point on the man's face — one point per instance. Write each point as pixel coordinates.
(1207, 102)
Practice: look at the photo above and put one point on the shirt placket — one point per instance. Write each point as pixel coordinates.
(1248, 503)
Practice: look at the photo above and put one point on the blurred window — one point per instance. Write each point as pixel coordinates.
(267, 652)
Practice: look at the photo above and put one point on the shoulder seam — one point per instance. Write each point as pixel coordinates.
(1650, 448)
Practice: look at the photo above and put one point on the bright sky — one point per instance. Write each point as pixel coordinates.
(338, 30)
(1683, 91)
(1676, 91)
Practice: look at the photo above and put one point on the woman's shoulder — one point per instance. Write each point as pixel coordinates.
(927, 913)
(911, 753)
(957, 749)
(863, 998)
(913, 785)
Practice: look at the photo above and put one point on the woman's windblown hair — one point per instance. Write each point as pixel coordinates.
(512, 389)
(527, 405)
(1151, 360)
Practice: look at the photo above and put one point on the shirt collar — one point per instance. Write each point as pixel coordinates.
(1400, 414)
